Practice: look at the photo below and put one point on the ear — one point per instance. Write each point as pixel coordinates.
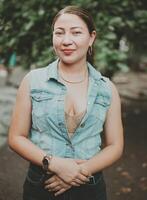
(92, 38)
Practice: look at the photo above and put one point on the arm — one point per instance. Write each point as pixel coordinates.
(20, 126)
(113, 137)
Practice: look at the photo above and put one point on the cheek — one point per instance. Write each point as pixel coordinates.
(83, 47)
(56, 42)
(84, 42)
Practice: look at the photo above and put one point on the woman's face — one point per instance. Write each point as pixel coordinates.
(71, 38)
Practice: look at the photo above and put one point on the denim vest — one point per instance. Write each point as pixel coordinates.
(49, 131)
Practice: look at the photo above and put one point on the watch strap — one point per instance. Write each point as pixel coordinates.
(46, 162)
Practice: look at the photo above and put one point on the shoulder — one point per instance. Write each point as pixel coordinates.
(32, 76)
(36, 76)
(109, 89)
(105, 86)
(38, 72)
(114, 88)
(115, 94)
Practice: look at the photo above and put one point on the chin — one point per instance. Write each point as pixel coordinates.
(69, 60)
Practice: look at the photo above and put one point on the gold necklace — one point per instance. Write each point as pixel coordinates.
(74, 82)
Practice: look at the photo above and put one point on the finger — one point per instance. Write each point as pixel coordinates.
(60, 192)
(61, 182)
(52, 185)
(75, 184)
(55, 184)
(78, 181)
(82, 178)
(55, 189)
(84, 172)
(64, 184)
(50, 180)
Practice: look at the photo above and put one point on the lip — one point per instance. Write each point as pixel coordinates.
(68, 51)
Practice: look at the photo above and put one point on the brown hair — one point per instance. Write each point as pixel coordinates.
(86, 17)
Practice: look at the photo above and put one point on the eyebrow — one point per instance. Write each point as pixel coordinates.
(74, 27)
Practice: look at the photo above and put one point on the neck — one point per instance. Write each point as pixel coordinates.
(73, 73)
(73, 68)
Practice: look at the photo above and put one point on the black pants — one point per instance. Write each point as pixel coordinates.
(34, 188)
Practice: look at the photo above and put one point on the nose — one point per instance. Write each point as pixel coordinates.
(67, 40)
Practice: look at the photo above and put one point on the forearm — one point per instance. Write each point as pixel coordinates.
(26, 149)
(103, 159)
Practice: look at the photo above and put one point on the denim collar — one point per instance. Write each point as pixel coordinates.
(53, 71)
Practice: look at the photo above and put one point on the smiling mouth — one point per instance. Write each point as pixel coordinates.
(68, 51)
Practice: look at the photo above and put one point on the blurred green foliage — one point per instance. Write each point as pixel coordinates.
(25, 26)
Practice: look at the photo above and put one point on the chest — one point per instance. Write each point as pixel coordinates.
(76, 98)
(49, 106)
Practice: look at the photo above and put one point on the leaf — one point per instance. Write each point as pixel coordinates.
(115, 21)
(12, 42)
(140, 14)
(130, 23)
(41, 11)
(28, 25)
(110, 36)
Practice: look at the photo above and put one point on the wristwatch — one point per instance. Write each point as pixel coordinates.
(46, 162)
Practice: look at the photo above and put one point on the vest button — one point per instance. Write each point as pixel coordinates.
(60, 123)
(82, 125)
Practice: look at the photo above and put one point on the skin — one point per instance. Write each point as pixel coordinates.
(68, 172)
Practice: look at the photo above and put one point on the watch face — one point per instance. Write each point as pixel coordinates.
(45, 164)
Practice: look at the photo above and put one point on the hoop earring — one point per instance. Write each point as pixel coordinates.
(90, 50)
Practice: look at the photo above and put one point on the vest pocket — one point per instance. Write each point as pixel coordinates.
(102, 100)
(42, 109)
(42, 102)
(101, 106)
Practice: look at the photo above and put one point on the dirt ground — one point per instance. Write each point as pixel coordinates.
(126, 180)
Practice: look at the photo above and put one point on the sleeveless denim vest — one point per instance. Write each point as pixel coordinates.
(49, 131)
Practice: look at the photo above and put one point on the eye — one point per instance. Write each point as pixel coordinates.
(58, 33)
(77, 32)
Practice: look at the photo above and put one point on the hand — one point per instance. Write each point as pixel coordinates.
(83, 166)
(57, 185)
(68, 170)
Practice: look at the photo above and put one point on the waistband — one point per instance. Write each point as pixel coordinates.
(93, 179)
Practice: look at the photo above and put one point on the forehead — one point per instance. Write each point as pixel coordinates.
(69, 20)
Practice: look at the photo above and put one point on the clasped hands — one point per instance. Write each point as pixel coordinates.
(67, 173)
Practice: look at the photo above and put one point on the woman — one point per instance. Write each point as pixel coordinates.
(59, 114)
